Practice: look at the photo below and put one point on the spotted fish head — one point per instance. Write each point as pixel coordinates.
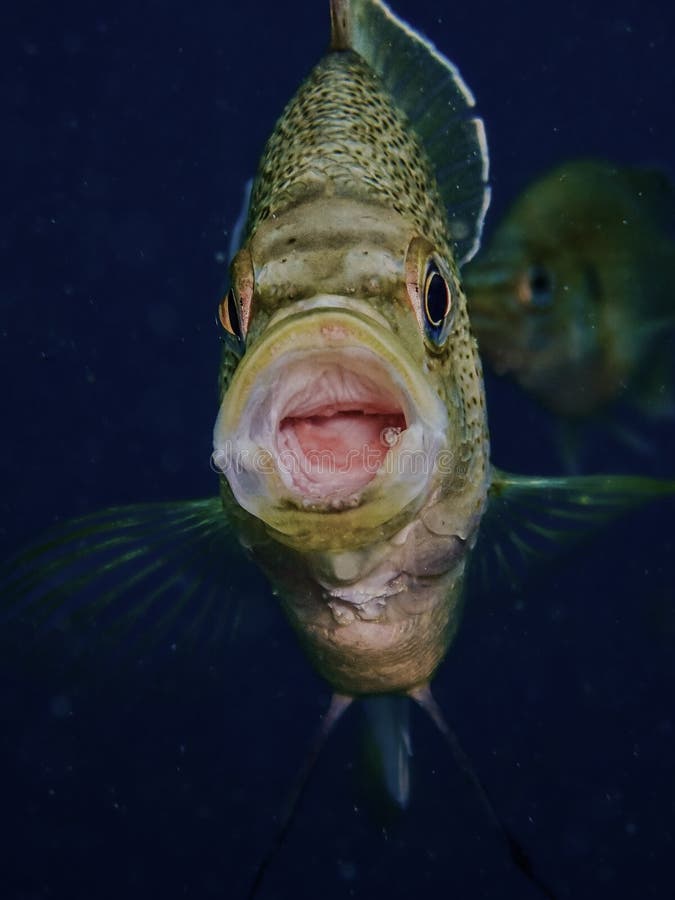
(357, 401)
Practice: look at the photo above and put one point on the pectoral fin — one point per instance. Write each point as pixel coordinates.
(163, 572)
(531, 518)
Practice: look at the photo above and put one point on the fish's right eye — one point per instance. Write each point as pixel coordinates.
(228, 313)
(537, 291)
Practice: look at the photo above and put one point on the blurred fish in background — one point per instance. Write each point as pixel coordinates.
(573, 298)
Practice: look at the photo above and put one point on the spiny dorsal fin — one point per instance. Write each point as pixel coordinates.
(429, 89)
(340, 25)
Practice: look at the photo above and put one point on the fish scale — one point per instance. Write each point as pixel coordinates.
(342, 136)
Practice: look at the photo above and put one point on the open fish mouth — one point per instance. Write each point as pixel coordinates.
(336, 426)
(327, 415)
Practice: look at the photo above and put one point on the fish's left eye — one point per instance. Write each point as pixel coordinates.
(234, 310)
(538, 288)
(438, 304)
(228, 313)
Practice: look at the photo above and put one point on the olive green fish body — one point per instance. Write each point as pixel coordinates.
(344, 220)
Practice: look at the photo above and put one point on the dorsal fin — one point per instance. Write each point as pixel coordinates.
(340, 25)
(428, 88)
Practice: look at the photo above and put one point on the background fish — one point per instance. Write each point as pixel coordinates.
(178, 526)
(572, 296)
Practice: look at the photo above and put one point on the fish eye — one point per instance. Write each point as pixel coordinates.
(234, 310)
(436, 298)
(539, 292)
(438, 304)
(432, 291)
(228, 313)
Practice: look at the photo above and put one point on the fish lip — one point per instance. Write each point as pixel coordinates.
(257, 402)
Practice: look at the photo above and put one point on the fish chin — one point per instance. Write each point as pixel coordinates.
(325, 432)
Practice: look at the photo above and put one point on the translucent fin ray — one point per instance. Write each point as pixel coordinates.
(389, 728)
(138, 574)
(239, 227)
(530, 519)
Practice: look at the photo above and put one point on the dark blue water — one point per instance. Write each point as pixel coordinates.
(128, 132)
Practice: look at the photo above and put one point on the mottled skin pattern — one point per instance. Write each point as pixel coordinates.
(342, 192)
(341, 135)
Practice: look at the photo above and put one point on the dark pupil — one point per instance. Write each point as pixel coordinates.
(233, 313)
(540, 281)
(437, 299)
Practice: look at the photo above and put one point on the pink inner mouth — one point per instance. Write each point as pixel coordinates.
(331, 440)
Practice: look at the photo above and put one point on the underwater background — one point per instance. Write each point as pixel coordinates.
(129, 130)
